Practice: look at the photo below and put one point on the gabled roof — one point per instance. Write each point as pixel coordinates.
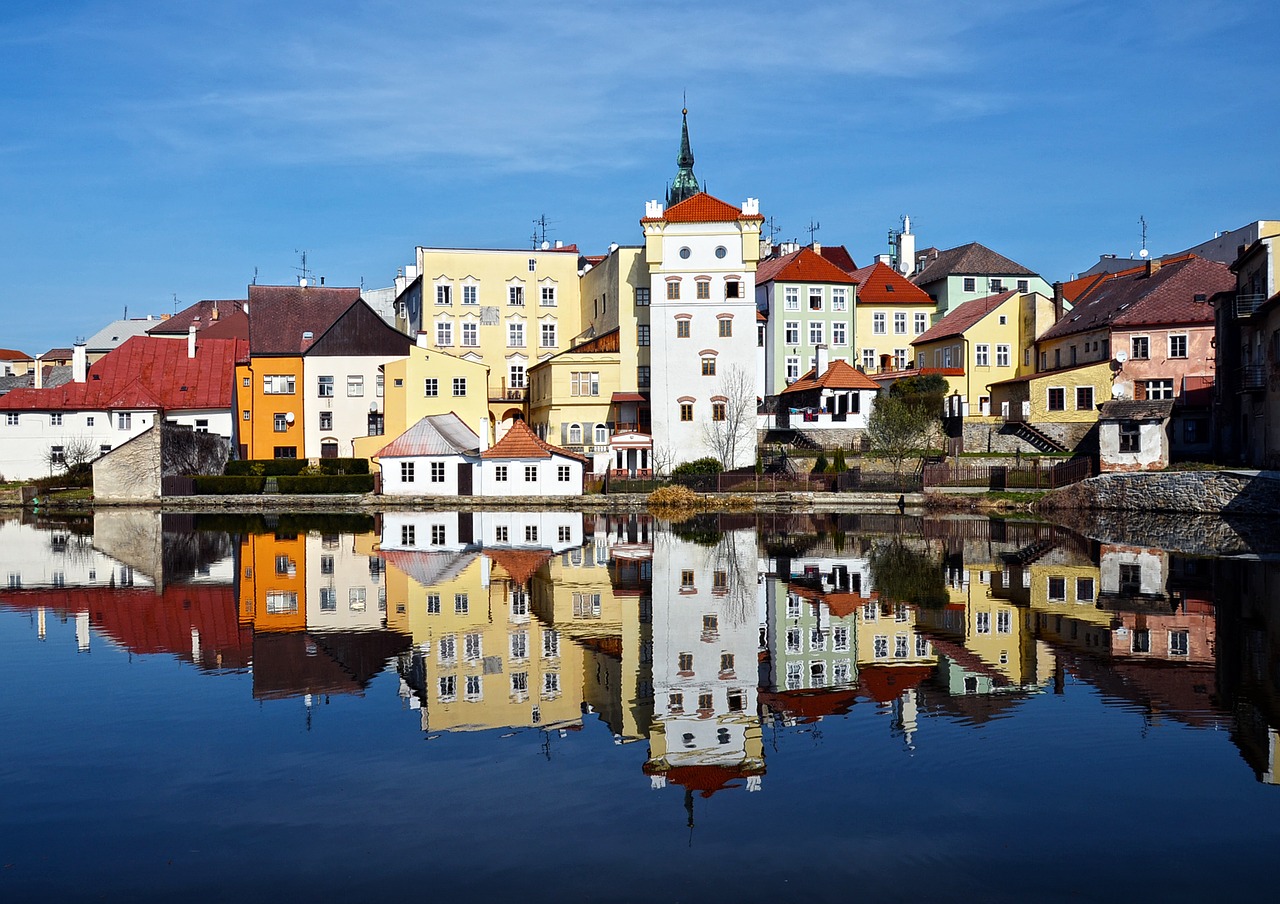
(520, 564)
(279, 315)
(956, 322)
(804, 265)
(521, 442)
(1135, 410)
(435, 434)
(1131, 298)
(12, 354)
(972, 259)
(605, 343)
(205, 315)
(703, 208)
(1050, 374)
(57, 354)
(838, 375)
(840, 256)
(144, 372)
(879, 283)
(114, 334)
(429, 568)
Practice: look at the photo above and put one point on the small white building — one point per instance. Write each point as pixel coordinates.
(521, 464)
(834, 395)
(437, 456)
(1133, 435)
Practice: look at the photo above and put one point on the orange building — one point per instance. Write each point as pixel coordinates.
(273, 581)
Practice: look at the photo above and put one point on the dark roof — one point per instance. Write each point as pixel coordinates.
(840, 256)
(801, 266)
(1131, 410)
(1133, 299)
(963, 317)
(204, 316)
(58, 354)
(972, 259)
(279, 315)
(881, 284)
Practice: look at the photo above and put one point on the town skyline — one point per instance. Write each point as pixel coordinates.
(157, 153)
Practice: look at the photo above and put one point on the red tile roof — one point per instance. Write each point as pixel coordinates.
(279, 315)
(886, 683)
(800, 266)
(840, 256)
(881, 284)
(12, 354)
(956, 322)
(230, 314)
(807, 706)
(1131, 298)
(703, 208)
(521, 442)
(838, 375)
(144, 372)
(520, 564)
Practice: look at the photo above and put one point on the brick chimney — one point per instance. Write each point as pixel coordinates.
(1153, 266)
(1058, 304)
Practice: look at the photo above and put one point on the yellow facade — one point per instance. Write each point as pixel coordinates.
(1071, 395)
(888, 634)
(273, 582)
(569, 399)
(870, 347)
(406, 400)
(269, 403)
(610, 301)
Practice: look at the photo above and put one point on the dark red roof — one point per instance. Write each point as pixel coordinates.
(838, 375)
(879, 283)
(144, 372)
(972, 259)
(840, 256)
(801, 266)
(811, 705)
(520, 564)
(279, 315)
(885, 683)
(202, 315)
(963, 317)
(703, 208)
(521, 442)
(1131, 298)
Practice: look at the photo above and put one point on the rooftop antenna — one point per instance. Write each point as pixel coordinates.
(540, 231)
(813, 228)
(255, 277)
(304, 273)
(774, 228)
(175, 302)
(1142, 221)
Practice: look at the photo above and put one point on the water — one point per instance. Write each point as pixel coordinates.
(555, 706)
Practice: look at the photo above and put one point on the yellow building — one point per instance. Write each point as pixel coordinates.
(889, 312)
(1067, 396)
(427, 382)
(572, 398)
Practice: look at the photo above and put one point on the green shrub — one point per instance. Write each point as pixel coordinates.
(820, 464)
(838, 465)
(234, 485)
(266, 467)
(344, 465)
(327, 484)
(706, 465)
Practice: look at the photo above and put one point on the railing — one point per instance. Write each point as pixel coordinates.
(626, 427)
(1253, 378)
(1245, 305)
(1003, 477)
(504, 393)
(853, 480)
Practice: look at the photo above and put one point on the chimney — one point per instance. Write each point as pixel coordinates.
(79, 362)
(1057, 302)
(823, 359)
(39, 379)
(817, 249)
(906, 248)
(422, 338)
(191, 341)
(213, 315)
(1153, 266)
(483, 433)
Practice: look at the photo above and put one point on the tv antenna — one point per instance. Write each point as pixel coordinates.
(540, 226)
(175, 302)
(1142, 221)
(774, 228)
(255, 277)
(813, 228)
(304, 273)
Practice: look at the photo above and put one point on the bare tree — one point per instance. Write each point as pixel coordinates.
(69, 454)
(731, 430)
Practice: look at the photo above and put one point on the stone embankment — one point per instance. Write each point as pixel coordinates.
(1203, 492)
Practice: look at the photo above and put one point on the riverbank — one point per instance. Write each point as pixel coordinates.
(1234, 492)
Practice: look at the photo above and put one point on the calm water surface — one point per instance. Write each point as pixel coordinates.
(563, 706)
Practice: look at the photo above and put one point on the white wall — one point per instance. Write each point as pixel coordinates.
(546, 482)
(422, 484)
(358, 600)
(23, 447)
(350, 412)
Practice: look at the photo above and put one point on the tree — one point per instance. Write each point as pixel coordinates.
(731, 431)
(73, 453)
(898, 426)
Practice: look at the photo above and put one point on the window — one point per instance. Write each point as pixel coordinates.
(444, 294)
(548, 297)
(921, 323)
(1002, 356)
(791, 298)
(1139, 347)
(1158, 390)
(433, 604)
(1178, 346)
(673, 290)
(726, 327)
(970, 284)
(817, 332)
(355, 386)
(459, 386)
(997, 285)
(1084, 590)
(1130, 440)
(280, 422)
(642, 298)
(840, 638)
(57, 455)
(899, 362)
(1084, 398)
(726, 662)
(356, 599)
(548, 333)
(686, 411)
(516, 376)
(880, 646)
(839, 299)
(682, 328)
(282, 602)
(328, 599)
(584, 383)
(684, 662)
(500, 473)
(444, 333)
(1057, 398)
(732, 289)
(515, 296)
(791, 332)
(437, 472)
(708, 366)
(642, 334)
(470, 295)
(325, 387)
(278, 384)
(406, 471)
(437, 535)
(868, 359)
(815, 298)
(702, 289)
(839, 334)
(550, 644)
(533, 264)
(900, 323)
(530, 476)
(285, 452)
(470, 333)
(792, 368)
(89, 420)
(515, 334)
(431, 387)
(562, 473)
(718, 411)
(642, 376)
(1057, 589)
(878, 324)
(982, 355)
(900, 648)
(1179, 643)
(1023, 285)
(408, 531)
(983, 623)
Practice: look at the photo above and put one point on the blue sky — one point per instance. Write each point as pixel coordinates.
(153, 149)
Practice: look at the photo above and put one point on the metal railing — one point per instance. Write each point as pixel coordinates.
(1245, 305)
(1253, 378)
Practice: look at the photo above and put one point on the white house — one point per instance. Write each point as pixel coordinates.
(831, 395)
(437, 456)
(116, 398)
(521, 464)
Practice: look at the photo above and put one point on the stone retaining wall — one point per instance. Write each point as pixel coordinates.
(1207, 492)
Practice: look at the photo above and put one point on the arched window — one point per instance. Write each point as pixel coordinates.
(575, 435)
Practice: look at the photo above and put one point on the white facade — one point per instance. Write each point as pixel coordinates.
(346, 591)
(339, 394)
(34, 558)
(690, 352)
(26, 437)
(554, 531)
(427, 475)
(558, 475)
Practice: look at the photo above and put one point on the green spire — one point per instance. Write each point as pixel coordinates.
(685, 184)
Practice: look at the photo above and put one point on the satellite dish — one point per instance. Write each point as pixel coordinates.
(1143, 253)
(288, 418)
(1117, 391)
(1122, 356)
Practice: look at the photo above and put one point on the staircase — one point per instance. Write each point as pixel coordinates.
(786, 437)
(1037, 439)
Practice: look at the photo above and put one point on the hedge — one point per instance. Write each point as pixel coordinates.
(292, 467)
(327, 483)
(344, 465)
(229, 486)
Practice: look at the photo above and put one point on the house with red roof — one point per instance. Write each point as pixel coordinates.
(14, 363)
(832, 394)
(890, 312)
(970, 272)
(524, 464)
(143, 382)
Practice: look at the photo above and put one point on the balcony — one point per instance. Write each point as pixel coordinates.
(1016, 412)
(1246, 304)
(627, 427)
(504, 393)
(1253, 378)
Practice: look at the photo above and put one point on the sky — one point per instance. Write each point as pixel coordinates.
(156, 153)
